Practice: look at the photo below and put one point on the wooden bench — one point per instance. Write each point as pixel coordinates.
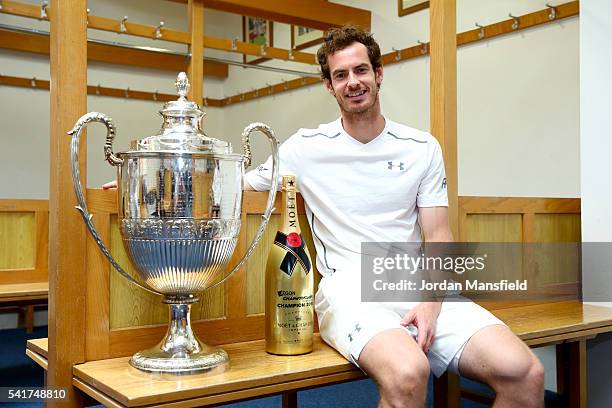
(23, 297)
(254, 373)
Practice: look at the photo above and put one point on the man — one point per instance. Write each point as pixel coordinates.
(366, 178)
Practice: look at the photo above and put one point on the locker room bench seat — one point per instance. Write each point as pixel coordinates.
(23, 297)
(254, 373)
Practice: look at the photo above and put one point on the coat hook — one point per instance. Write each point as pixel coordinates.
(122, 26)
(290, 54)
(262, 50)
(87, 17)
(423, 47)
(127, 92)
(256, 93)
(205, 101)
(158, 33)
(553, 12)
(285, 85)
(515, 23)
(398, 54)
(155, 95)
(241, 96)
(33, 82)
(1, 4)
(98, 89)
(481, 32)
(235, 43)
(43, 10)
(269, 88)
(303, 81)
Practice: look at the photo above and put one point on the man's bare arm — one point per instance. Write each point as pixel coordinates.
(434, 224)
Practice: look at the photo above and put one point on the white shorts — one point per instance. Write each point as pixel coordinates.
(347, 324)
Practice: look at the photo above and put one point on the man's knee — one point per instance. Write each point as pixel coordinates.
(407, 379)
(535, 373)
(526, 372)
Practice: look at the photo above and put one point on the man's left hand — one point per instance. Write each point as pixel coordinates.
(424, 316)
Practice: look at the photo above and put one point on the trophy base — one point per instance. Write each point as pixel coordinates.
(211, 359)
(180, 351)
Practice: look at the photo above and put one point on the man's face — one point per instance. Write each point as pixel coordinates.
(354, 83)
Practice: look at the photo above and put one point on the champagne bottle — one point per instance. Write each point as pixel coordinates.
(289, 284)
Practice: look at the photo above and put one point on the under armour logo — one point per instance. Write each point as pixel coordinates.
(261, 168)
(391, 165)
(355, 331)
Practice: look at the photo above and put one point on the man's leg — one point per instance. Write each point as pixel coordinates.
(397, 364)
(494, 355)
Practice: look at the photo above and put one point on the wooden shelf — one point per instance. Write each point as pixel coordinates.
(319, 14)
(17, 292)
(166, 34)
(39, 44)
(35, 83)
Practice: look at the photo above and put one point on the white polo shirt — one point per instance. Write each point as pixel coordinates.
(357, 192)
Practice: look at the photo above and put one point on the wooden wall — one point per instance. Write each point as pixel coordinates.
(24, 241)
(122, 318)
(554, 270)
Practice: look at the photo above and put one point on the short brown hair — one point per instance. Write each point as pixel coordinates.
(338, 39)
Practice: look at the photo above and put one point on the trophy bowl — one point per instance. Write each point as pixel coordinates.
(179, 195)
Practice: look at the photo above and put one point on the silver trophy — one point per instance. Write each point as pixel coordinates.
(179, 197)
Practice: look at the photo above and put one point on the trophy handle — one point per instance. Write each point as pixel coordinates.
(78, 188)
(266, 130)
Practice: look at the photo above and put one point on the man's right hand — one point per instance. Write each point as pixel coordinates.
(110, 184)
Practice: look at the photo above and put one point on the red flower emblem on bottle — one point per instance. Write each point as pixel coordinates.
(294, 240)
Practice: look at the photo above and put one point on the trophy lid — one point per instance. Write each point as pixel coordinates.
(181, 129)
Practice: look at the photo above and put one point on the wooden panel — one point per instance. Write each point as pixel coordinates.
(557, 263)
(24, 240)
(195, 12)
(98, 292)
(493, 228)
(557, 228)
(256, 265)
(67, 277)
(17, 240)
(318, 14)
(554, 270)
(443, 95)
(519, 205)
